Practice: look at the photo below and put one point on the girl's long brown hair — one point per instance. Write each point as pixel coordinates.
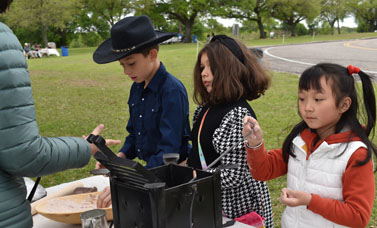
(233, 80)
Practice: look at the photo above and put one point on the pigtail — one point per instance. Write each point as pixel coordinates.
(369, 101)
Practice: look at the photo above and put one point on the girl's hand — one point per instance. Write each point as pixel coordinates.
(294, 198)
(251, 124)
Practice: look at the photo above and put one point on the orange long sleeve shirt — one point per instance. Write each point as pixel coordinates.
(358, 182)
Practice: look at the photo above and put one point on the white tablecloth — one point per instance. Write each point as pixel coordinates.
(95, 181)
(49, 51)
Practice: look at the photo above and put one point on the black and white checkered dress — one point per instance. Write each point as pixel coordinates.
(222, 127)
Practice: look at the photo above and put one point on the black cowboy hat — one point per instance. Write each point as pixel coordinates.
(128, 36)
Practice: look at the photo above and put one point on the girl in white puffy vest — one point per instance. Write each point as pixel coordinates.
(327, 156)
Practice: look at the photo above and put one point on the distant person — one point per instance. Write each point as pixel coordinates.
(158, 101)
(208, 38)
(27, 52)
(35, 48)
(23, 152)
(327, 156)
(226, 77)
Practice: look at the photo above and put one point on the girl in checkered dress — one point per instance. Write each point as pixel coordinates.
(226, 76)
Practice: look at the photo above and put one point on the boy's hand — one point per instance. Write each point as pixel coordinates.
(294, 198)
(251, 124)
(100, 166)
(104, 198)
(97, 131)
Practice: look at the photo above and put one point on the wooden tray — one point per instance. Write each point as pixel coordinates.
(67, 209)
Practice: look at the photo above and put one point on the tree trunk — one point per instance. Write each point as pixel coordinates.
(188, 29)
(293, 29)
(371, 26)
(262, 34)
(180, 27)
(44, 35)
(338, 27)
(332, 23)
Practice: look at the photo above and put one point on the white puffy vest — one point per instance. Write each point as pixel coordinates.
(321, 174)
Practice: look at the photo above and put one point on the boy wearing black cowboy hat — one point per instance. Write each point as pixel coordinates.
(158, 102)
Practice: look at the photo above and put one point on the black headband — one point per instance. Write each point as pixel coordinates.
(231, 44)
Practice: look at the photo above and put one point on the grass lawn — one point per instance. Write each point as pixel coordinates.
(73, 94)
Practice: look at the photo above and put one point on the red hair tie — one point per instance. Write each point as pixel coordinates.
(353, 70)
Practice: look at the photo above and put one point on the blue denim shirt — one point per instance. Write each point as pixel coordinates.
(159, 120)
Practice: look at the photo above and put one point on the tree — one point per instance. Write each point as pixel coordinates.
(88, 22)
(42, 14)
(292, 12)
(109, 10)
(185, 11)
(252, 10)
(149, 7)
(366, 13)
(214, 26)
(332, 11)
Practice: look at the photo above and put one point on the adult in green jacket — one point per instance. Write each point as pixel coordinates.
(23, 152)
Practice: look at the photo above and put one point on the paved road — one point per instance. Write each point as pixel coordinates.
(296, 58)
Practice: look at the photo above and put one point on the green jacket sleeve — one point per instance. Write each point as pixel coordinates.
(23, 152)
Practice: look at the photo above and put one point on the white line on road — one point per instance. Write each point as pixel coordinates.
(299, 62)
(285, 59)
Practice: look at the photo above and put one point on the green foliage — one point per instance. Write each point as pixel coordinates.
(366, 14)
(32, 14)
(301, 30)
(249, 27)
(186, 12)
(291, 12)
(362, 26)
(149, 7)
(215, 27)
(40, 15)
(87, 21)
(26, 36)
(334, 10)
(108, 10)
(325, 29)
(248, 10)
(90, 39)
(199, 29)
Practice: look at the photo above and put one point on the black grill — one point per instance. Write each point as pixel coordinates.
(162, 197)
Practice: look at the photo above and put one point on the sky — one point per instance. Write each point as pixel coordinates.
(349, 22)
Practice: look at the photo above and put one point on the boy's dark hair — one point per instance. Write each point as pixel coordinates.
(145, 51)
(4, 5)
(343, 85)
(233, 80)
